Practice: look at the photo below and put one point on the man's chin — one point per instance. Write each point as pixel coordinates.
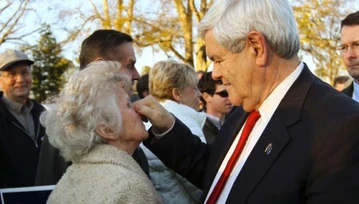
(22, 94)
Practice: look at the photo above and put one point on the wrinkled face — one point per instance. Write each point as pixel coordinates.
(16, 82)
(190, 96)
(350, 36)
(133, 128)
(236, 70)
(218, 102)
(125, 54)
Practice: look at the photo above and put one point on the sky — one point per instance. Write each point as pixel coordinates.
(48, 10)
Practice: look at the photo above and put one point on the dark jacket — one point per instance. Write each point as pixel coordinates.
(19, 153)
(314, 156)
(210, 131)
(349, 90)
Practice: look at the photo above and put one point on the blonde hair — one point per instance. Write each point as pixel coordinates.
(166, 75)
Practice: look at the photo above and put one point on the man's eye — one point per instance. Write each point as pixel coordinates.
(342, 47)
(131, 66)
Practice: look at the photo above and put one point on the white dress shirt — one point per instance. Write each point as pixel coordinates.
(266, 110)
(355, 91)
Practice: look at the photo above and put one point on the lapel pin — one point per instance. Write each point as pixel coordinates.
(268, 149)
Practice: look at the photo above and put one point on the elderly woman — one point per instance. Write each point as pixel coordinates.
(96, 128)
(174, 85)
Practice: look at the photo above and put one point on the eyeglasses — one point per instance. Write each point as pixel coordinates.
(344, 47)
(14, 74)
(222, 94)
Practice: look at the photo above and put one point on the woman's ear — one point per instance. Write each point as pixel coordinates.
(176, 94)
(105, 132)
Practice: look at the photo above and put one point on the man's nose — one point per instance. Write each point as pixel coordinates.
(351, 53)
(216, 75)
(135, 75)
(20, 77)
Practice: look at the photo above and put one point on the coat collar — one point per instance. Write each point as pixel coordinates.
(107, 154)
(349, 90)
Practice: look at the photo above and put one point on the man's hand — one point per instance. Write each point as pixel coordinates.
(160, 118)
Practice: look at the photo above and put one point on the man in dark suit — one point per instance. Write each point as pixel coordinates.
(349, 49)
(304, 148)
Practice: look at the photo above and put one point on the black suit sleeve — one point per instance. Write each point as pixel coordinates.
(335, 174)
(182, 152)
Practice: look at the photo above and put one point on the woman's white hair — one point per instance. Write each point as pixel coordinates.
(87, 100)
(232, 20)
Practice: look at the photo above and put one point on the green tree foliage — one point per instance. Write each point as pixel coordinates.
(49, 67)
(319, 28)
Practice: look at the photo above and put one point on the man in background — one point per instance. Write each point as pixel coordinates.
(101, 45)
(216, 105)
(349, 49)
(142, 86)
(20, 130)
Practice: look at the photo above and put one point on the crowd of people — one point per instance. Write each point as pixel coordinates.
(259, 128)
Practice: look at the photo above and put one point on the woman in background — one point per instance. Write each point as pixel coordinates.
(174, 85)
(96, 128)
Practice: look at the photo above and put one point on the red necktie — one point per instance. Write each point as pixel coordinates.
(251, 121)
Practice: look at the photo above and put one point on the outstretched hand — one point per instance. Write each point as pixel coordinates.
(159, 117)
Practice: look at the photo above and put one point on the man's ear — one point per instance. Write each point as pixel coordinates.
(176, 94)
(105, 132)
(207, 97)
(259, 47)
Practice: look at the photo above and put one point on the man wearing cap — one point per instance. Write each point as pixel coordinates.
(20, 129)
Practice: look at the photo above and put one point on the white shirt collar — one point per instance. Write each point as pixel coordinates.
(271, 103)
(355, 91)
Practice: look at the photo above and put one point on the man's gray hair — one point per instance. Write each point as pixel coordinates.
(232, 20)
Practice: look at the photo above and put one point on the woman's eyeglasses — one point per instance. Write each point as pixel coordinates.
(222, 94)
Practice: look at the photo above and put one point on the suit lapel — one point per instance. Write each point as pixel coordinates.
(275, 136)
